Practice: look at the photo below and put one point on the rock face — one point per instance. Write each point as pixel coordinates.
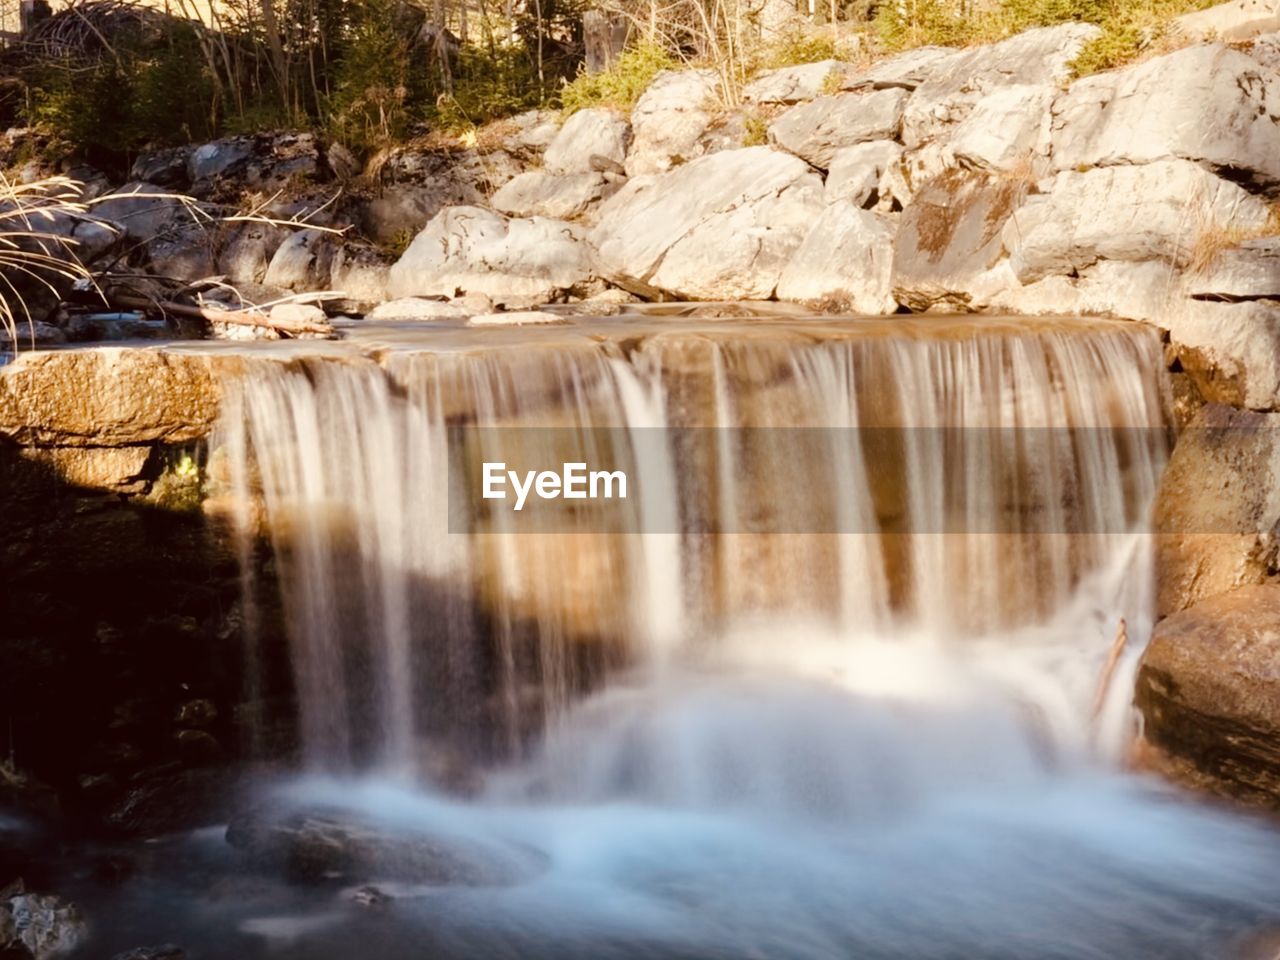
(588, 134)
(815, 131)
(795, 84)
(949, 239)
(856, 173)
(1125, 213)
(1003, 129)
(1209, 688)
(515, 262)
(539, 194)
(1217, 514)
(951, 85)
(845, 263)
(1208, 104)
(1250, 271)
(670, 119)
(1230, 350)
(719, 228)
(38, 926)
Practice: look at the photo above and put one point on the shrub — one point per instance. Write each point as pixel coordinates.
(622, 84)
(489, 84)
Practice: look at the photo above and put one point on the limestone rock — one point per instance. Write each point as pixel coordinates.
(816, 130)
(166, 167)
(416, 308)
(846, 262)
(219, 158)
(670, 119)
(1232, 21)
(1250, 271)
(537, 193)
(954, 84)
(1002, 130)
(1209, 104)
(907, 70)
(1230, 350)
(360, 274)
(107, 396)
(1209, 689)
(1157, 210)
(1218, 507)
(856, 172)
(46, 926)
(794, 84)
(515, 262)
(1110, 288)
(118, 469)
(303, 262)
(246, 256)
(142, 210)
(588, 133)
(415, 186)
(722, 227)
(949, 241)
(185, 252)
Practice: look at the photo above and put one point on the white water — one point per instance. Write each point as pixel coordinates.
(872, 735)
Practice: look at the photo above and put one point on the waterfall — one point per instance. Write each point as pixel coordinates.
(952, 484)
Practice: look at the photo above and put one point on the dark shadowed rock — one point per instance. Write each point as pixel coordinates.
(1209, 688)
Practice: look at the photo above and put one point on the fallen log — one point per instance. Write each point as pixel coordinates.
(243, 318)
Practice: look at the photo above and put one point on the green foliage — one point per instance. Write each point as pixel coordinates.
(622, 84)
(489, 84)
(756, 132)
(800, 47)
(113, 106)
(380, 81)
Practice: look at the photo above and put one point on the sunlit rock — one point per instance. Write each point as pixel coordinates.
(794, 84)
(815, 131)
(845, 262)
(585, 136)
(856, 173)
(670, 119)
(537, 193)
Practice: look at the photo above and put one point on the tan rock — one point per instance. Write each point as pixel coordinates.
(1209, 688)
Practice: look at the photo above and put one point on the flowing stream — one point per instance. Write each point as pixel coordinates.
(832, 681)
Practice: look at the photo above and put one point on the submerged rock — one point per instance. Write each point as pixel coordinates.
(1209, 689)
(323, 845)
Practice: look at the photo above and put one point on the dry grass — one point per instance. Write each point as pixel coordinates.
(1213, 239)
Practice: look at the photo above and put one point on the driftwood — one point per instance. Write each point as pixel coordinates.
(243, 318)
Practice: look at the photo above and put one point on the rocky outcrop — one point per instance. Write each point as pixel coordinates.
(858, 173)
(949, 240)
(815, 131)
(514, 261)
(795, 84)
(1209, 689)
(1217, 513)
(1157, 211)
(589, 141)
(537, 193)
(1230, 350)
(719, 228)
(844, 263)
(1208, 104)
(670, 120)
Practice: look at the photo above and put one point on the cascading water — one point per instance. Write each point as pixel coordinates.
(826, 685)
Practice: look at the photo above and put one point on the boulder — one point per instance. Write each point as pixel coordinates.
(516, 262)
(360, 273)
(669, 120)
(948, 240)
(185, 252)
(1121, 289)
(312, 845)
(1209, 691)
(263, 161)
(1003, 129)
(722, 227)
(244, 258)
(219, 158)
(1208, 104)
(303, 262)
(816, 130)
(516, 318)
(415, 185)
(587, 134)
(795, 84)
(1162, 210)
(166, 167)
(1233, 21)
(856, 172)
(1218, 507)
(537, 193)
(107, 396)
(954, 84)
(143, 210)
(845, 263)
(416, 308)
(906, 71)
(1230, 350)
(1250, 271)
